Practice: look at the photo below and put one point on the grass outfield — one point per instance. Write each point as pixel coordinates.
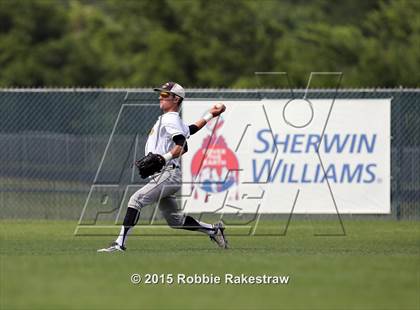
(375, 266)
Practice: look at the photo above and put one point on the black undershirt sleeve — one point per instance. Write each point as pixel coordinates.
(193, 129)
(180, 140)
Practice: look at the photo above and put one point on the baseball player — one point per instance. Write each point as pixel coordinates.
(164, 147)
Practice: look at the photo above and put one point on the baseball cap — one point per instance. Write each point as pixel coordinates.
(173, 88)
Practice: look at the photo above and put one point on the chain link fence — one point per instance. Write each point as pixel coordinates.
(52, 141)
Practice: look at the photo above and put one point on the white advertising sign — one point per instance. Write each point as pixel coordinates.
(282, 156)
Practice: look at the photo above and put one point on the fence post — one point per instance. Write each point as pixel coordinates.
(398, 132)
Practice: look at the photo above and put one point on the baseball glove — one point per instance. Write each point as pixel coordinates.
(150, 164)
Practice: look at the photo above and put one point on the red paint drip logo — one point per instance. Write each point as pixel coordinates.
(215, 166)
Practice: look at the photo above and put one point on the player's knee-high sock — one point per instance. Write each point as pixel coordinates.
(131, 218)
(191, 223)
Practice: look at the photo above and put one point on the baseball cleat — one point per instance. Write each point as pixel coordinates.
(114, 247)
(219, 236)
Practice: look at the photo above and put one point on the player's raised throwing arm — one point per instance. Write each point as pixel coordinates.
(215, 111)
(180, 141)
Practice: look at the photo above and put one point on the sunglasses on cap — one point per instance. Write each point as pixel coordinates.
(165, 94)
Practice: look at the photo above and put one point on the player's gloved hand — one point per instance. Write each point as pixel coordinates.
(150, 164)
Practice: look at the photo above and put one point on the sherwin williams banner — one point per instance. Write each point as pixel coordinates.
(282, 156)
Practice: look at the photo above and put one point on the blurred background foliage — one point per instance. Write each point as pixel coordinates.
(201, 43)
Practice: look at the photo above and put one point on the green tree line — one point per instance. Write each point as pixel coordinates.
(202, 43)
